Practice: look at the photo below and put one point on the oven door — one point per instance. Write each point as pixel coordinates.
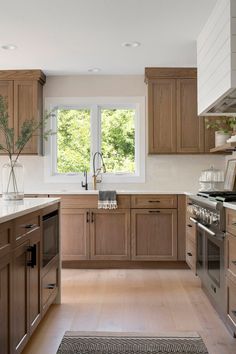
(211, 269)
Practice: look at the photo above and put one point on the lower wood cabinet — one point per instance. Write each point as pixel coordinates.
(154, 234)
(5, 304)
(110, 234)
(75, 234)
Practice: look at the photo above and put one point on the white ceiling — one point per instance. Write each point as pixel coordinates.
(71, 36)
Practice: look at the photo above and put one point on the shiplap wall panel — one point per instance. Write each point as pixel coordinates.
(214, 54)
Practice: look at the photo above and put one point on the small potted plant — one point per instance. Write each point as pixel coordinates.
(224, 127)
(12, 172)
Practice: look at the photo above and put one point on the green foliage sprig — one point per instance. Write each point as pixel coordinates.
(29, 128)
(224, 124)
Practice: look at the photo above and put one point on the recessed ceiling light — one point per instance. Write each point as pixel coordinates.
(94, 70)
(131, 44)
(9, 46)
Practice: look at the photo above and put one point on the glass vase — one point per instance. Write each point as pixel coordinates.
(13, 180)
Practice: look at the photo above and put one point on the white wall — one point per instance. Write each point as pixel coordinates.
(163, 172)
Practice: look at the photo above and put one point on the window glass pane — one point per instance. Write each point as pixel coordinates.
(118, 139)
(73, 140)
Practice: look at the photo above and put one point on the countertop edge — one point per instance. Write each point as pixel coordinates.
(229, 205)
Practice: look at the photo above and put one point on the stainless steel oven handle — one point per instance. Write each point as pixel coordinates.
(193, 220)
(206, 229)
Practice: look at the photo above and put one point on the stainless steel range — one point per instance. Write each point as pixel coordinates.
(209, 216)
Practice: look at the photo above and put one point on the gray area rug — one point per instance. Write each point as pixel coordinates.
(130, 343)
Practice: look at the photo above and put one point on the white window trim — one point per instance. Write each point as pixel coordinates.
(50, 158)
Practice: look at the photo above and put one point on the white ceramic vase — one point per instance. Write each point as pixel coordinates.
(221, 138)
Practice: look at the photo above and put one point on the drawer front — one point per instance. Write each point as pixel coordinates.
(25, 225)
(154, 201)
(49, 284)
(191, 254)
(231, 221)
(6, 235)
(89, 201)
(191, 229)
(231, 254)
(231, 306)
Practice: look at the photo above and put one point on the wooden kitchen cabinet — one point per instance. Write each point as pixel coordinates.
(24, 92)
(75, 234)
(154, 234)
(191, 239)
(5, 303)
(110, 234)
(173, 124)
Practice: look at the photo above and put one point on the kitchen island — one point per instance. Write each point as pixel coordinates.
(29, 267)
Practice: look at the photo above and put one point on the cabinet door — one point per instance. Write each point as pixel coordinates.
(190, 127)
(5, 304)
(110, 234)
(20, 298)
(162, 116)
(154, 234)
(34, 281)
(6, 91)
(75, 234)
(27, 105)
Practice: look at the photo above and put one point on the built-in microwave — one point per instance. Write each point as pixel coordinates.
(50, 237)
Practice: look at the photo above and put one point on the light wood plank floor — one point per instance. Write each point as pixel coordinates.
(131, 301)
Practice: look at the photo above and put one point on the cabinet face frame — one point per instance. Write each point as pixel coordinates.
(154, 213)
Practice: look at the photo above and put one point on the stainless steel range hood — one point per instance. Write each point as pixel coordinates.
(216, 61)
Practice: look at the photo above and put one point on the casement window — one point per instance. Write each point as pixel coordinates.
(113, 126)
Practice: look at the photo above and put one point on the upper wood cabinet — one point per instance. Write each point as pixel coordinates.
(173, 124)
(23, 90)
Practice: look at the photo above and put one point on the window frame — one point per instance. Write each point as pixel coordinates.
(96, 104)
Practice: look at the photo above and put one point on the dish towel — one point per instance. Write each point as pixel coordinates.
(107, 200)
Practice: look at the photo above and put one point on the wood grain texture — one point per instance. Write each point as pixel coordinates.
(111, 264)
(154, 234)
(110, 234)
(88, 201)
(173, 73)
(231, 221)
(37, 75)
(181, 213)
(5, 303)
(6, 91)
(162, 116)
(190, 127)
(75, 234)
(6, 238)
(131, 301)
(153, 201)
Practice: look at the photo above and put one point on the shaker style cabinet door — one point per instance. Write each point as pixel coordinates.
(110, 234)
(5, 304)
(154, 234)
(6, 91)
(75, 234)
(162, 116)
(190, 127)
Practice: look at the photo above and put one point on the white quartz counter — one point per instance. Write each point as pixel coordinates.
(230, 205)
(13, 209)
(95, 192)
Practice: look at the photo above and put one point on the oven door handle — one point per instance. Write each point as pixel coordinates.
(206, 229)
(193, 220)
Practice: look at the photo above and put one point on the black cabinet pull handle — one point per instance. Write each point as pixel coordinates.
(87, 216)
(234, 312)
(189, 254)
(51, 286)
(190, 225)
(33, 257)
(190, 203)
(92, 217)
(154, 211)
(29, 226)
(233, 223)
(154, 201)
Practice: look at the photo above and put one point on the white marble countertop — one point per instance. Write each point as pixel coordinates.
(13, 209)
(230, 205)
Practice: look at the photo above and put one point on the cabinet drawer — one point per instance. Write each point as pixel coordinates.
(26, 224)
(231, 221)
(50, 284)
(5, 238)
(231, 254)
(154, 201)
(231, 303)
(191, 254)
(190, 229)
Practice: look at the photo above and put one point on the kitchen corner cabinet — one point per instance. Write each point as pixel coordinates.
(173, 124)
(191, 239)
(23, 90)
